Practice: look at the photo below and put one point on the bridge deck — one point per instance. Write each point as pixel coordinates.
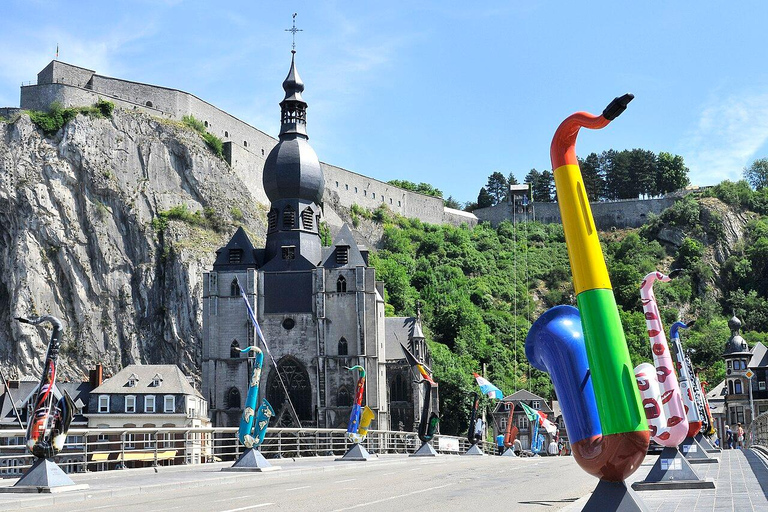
(391, 482)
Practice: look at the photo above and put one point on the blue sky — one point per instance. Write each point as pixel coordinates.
(439, 91)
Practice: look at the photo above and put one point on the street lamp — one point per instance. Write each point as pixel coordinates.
(727, 421)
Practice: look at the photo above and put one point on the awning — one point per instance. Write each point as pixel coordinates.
(146, 455)
(100, 456)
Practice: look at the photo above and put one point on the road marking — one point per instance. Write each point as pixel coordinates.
(392, 473)
(297, 488)
(390, 498)
(232, 498)
(248, 508)
(166, 508)
(344, 481)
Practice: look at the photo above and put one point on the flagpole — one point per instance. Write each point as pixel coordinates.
(485, 425)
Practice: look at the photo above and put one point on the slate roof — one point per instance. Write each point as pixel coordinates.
(26, 392)
(240, 241)
(400, 329)
(759, 356)
(173, 381)
(344, 238)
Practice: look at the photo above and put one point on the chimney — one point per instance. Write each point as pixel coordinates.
(96, 376)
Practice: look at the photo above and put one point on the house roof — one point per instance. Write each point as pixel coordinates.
(344, 238)
(759, 356)
(524, 395)
(27, 390)
(173, 381)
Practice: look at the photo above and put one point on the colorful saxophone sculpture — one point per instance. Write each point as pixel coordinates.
(253, 424)
(49, 423)
(709, 423)
(475, 434)
(662, 399)
(429, 420)
(511, 432)
(361, 417)
(687, 381)
(584, 350)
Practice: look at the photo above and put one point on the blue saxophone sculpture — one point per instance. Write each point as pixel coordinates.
(360, 418)
(253, 424)
(50, 421)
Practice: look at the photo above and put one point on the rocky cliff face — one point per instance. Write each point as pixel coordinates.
(77, 240)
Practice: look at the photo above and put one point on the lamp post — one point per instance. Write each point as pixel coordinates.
(724, 444)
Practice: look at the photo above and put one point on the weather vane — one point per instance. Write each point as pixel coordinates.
(293, 31)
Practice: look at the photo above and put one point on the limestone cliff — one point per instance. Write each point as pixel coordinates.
(77, 239)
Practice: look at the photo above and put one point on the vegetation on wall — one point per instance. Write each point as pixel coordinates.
(206, 218)
(480, 288)
(57, 116)
(212, 141)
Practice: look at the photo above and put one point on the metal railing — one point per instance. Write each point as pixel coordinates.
(757, 433)
(101, 449)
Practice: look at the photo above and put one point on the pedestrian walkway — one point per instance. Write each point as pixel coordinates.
(741, 481)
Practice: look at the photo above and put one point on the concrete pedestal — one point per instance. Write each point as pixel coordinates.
(695, 453)
(356, 453)
(45, 476)
(474, 450)
(509, 452)
(252, 460)
(672, 471)
(614, 497)
(426, 450)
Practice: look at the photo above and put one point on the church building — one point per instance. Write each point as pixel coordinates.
(320, 309)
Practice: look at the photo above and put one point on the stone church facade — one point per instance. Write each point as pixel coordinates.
(320, 308)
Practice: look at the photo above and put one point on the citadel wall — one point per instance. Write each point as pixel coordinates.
(246, 149)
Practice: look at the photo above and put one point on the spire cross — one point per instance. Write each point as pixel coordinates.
(293, 31)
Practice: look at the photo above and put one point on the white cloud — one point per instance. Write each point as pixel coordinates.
(728, 135)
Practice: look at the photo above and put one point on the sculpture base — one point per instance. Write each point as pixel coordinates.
(252, 460)
(45, 476)
(704, 442)
(474, 450)
(509, 452)
(616, 497)
(672, 471)
(695, 453)
(356, 453)
(426, 450)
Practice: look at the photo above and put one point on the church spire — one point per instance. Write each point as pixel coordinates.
(293, 108)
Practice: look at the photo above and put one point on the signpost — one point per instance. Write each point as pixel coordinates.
(749, 374)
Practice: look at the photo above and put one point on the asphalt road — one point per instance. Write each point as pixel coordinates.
(391, 483)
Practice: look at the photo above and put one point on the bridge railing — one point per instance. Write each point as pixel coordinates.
(100, 449)
(757, 433)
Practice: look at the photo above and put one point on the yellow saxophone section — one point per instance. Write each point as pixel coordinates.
(584, 252)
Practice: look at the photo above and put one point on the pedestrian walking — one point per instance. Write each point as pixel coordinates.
(740, 438)
(728, 437)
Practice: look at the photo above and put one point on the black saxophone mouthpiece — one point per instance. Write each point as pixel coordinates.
(617, 106)
(23, 320)
(690, 324)
(676, 272)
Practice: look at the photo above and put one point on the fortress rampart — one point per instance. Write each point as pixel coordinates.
(246, 149)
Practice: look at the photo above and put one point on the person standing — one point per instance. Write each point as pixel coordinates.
(728, 437)
(740, 437)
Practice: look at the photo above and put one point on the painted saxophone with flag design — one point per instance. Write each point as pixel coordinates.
(429, 419)
(360, 418)
(47, 427)
(584, 350)
(662, 399)
(687, 380)
(473, 433)
(253, 424)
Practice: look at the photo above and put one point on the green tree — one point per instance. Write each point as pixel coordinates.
(512, 179)
(757, 174)
(594, 183)
(543, 187)
(484, 199)
(671, 173)
(497, 187)
(452, 203)
(642, 173)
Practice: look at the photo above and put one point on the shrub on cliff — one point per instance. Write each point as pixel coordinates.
(213, 142)
(57, 116)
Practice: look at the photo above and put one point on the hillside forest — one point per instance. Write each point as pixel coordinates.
(479, 289)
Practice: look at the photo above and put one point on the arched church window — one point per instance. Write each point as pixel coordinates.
(306, 218)
(233, 398)
(289, 217)
(297, 382)
(398, 389)
(234, 350)
(272, 219)
(234, 288)
(738, 390)
(730, 387)
(343, 347)
(343, 398)
(341, 284)
(149, 103)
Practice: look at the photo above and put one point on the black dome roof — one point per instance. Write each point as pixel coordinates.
(292, 171)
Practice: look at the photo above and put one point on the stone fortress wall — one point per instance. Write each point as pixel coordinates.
(246, 149)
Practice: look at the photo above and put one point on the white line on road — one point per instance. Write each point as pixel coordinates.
(166, 508)
(248, 508)
(343, 481)
(392, 498)
(297, 488)
(231, 498)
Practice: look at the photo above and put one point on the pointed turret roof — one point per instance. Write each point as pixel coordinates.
(344, 239)
(226, 257)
